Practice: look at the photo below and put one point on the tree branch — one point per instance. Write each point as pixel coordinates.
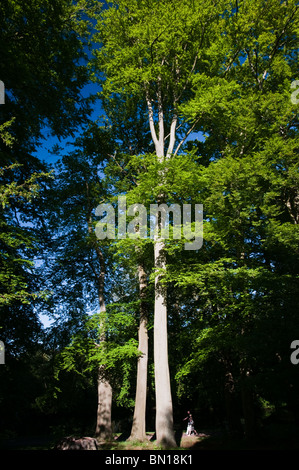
(172, 135)
(186, 135)
(160, 119)
(151, 117)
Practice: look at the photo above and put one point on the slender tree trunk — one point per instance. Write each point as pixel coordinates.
(103, 429)
(164, 410)
(138, 431)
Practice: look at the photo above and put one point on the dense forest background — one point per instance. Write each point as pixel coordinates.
(176, 102)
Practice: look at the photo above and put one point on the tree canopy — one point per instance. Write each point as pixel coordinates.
(197, 108)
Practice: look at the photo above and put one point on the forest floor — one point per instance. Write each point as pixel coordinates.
(280, 438)
(119, 443)
(210, 440)
(186, 442)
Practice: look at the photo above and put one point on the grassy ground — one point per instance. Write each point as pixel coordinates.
(186, 442)
(119, 443)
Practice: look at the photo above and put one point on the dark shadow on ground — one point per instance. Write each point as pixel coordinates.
(268, 440)
(123, 436)
(24, 443)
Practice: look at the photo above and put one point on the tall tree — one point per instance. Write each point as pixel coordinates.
(189, 62)
(128, 124)
(74, 196)
(43, 71)
(138, 431)
(151, 51)
(249, 196)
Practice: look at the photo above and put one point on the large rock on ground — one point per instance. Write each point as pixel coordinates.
(73, 443)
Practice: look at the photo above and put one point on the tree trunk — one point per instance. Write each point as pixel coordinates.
(138, 431)
(103, 426)
(164, 411)
(103, 430)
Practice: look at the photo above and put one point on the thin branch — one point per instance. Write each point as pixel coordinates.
(188, 78)
(172, 135)
(151, 117)
(231, 62)
(160, 117)
(186, 135)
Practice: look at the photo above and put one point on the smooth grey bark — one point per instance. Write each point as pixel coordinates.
(138, 431)
(164, 409)
(103, 430)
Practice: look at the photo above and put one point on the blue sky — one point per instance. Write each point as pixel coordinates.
(44, 153)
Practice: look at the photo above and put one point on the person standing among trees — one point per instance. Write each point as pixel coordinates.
(190, 424)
